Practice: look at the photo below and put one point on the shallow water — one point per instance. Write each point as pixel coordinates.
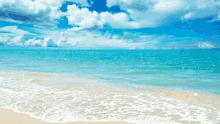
(194, 70)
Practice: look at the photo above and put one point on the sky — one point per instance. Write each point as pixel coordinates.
(111, 24)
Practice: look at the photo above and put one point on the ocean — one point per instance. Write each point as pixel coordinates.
(197, 70)
(124, 79)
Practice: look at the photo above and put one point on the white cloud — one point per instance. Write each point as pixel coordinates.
(46, 42)
(10, 41)
(85, 19)
(33, 42)
(69, 40)
(139, 13)
(121, 21)
(82, 17)
(201, 9)
(148, 13)
(60, 2)
(88, 40)
(146, 5)
(153, 12)
(167, 5)
(26, 11)
(14, 30)
(12, 36)
(132, 4)
(188, 16)
(38, 12)
(4, 39)
(206, 45)
(17, 41)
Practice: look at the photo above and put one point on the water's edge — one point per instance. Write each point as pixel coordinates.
(66, 98)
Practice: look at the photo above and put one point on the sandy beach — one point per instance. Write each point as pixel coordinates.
(79, 100)
(10, 117)
(109, 61)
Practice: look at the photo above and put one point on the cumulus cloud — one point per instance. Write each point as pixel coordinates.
(120, 21)
(87, 40)
(33, 42)
(148, 13)
(85, 19)
(26, 11)
(38, 12)
(155, 11)
(6, 40)
(82, 17)
(12, 36)
(46, 42)
(139, 13)
(206, 45)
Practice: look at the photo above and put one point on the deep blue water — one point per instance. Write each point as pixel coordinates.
(181, 69)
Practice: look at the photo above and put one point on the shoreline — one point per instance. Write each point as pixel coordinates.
(8, 116)
(90, 78)
(74, 100)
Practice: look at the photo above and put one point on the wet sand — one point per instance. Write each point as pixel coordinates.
(10, 117)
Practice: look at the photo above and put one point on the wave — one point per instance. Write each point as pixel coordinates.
(67, 98)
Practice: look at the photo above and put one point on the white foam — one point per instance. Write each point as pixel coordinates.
(83, 103)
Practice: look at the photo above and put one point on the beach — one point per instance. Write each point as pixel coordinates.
(109, 61)
(100, 86)
(52, 98)
(10, 117)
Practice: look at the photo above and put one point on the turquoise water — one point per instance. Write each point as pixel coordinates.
(197, 70)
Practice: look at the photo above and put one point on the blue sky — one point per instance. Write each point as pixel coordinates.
(111, 24)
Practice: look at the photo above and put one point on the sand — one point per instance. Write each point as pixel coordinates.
(10, 117)
(32, 91)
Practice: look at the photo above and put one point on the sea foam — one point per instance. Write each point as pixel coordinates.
(80, 100)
